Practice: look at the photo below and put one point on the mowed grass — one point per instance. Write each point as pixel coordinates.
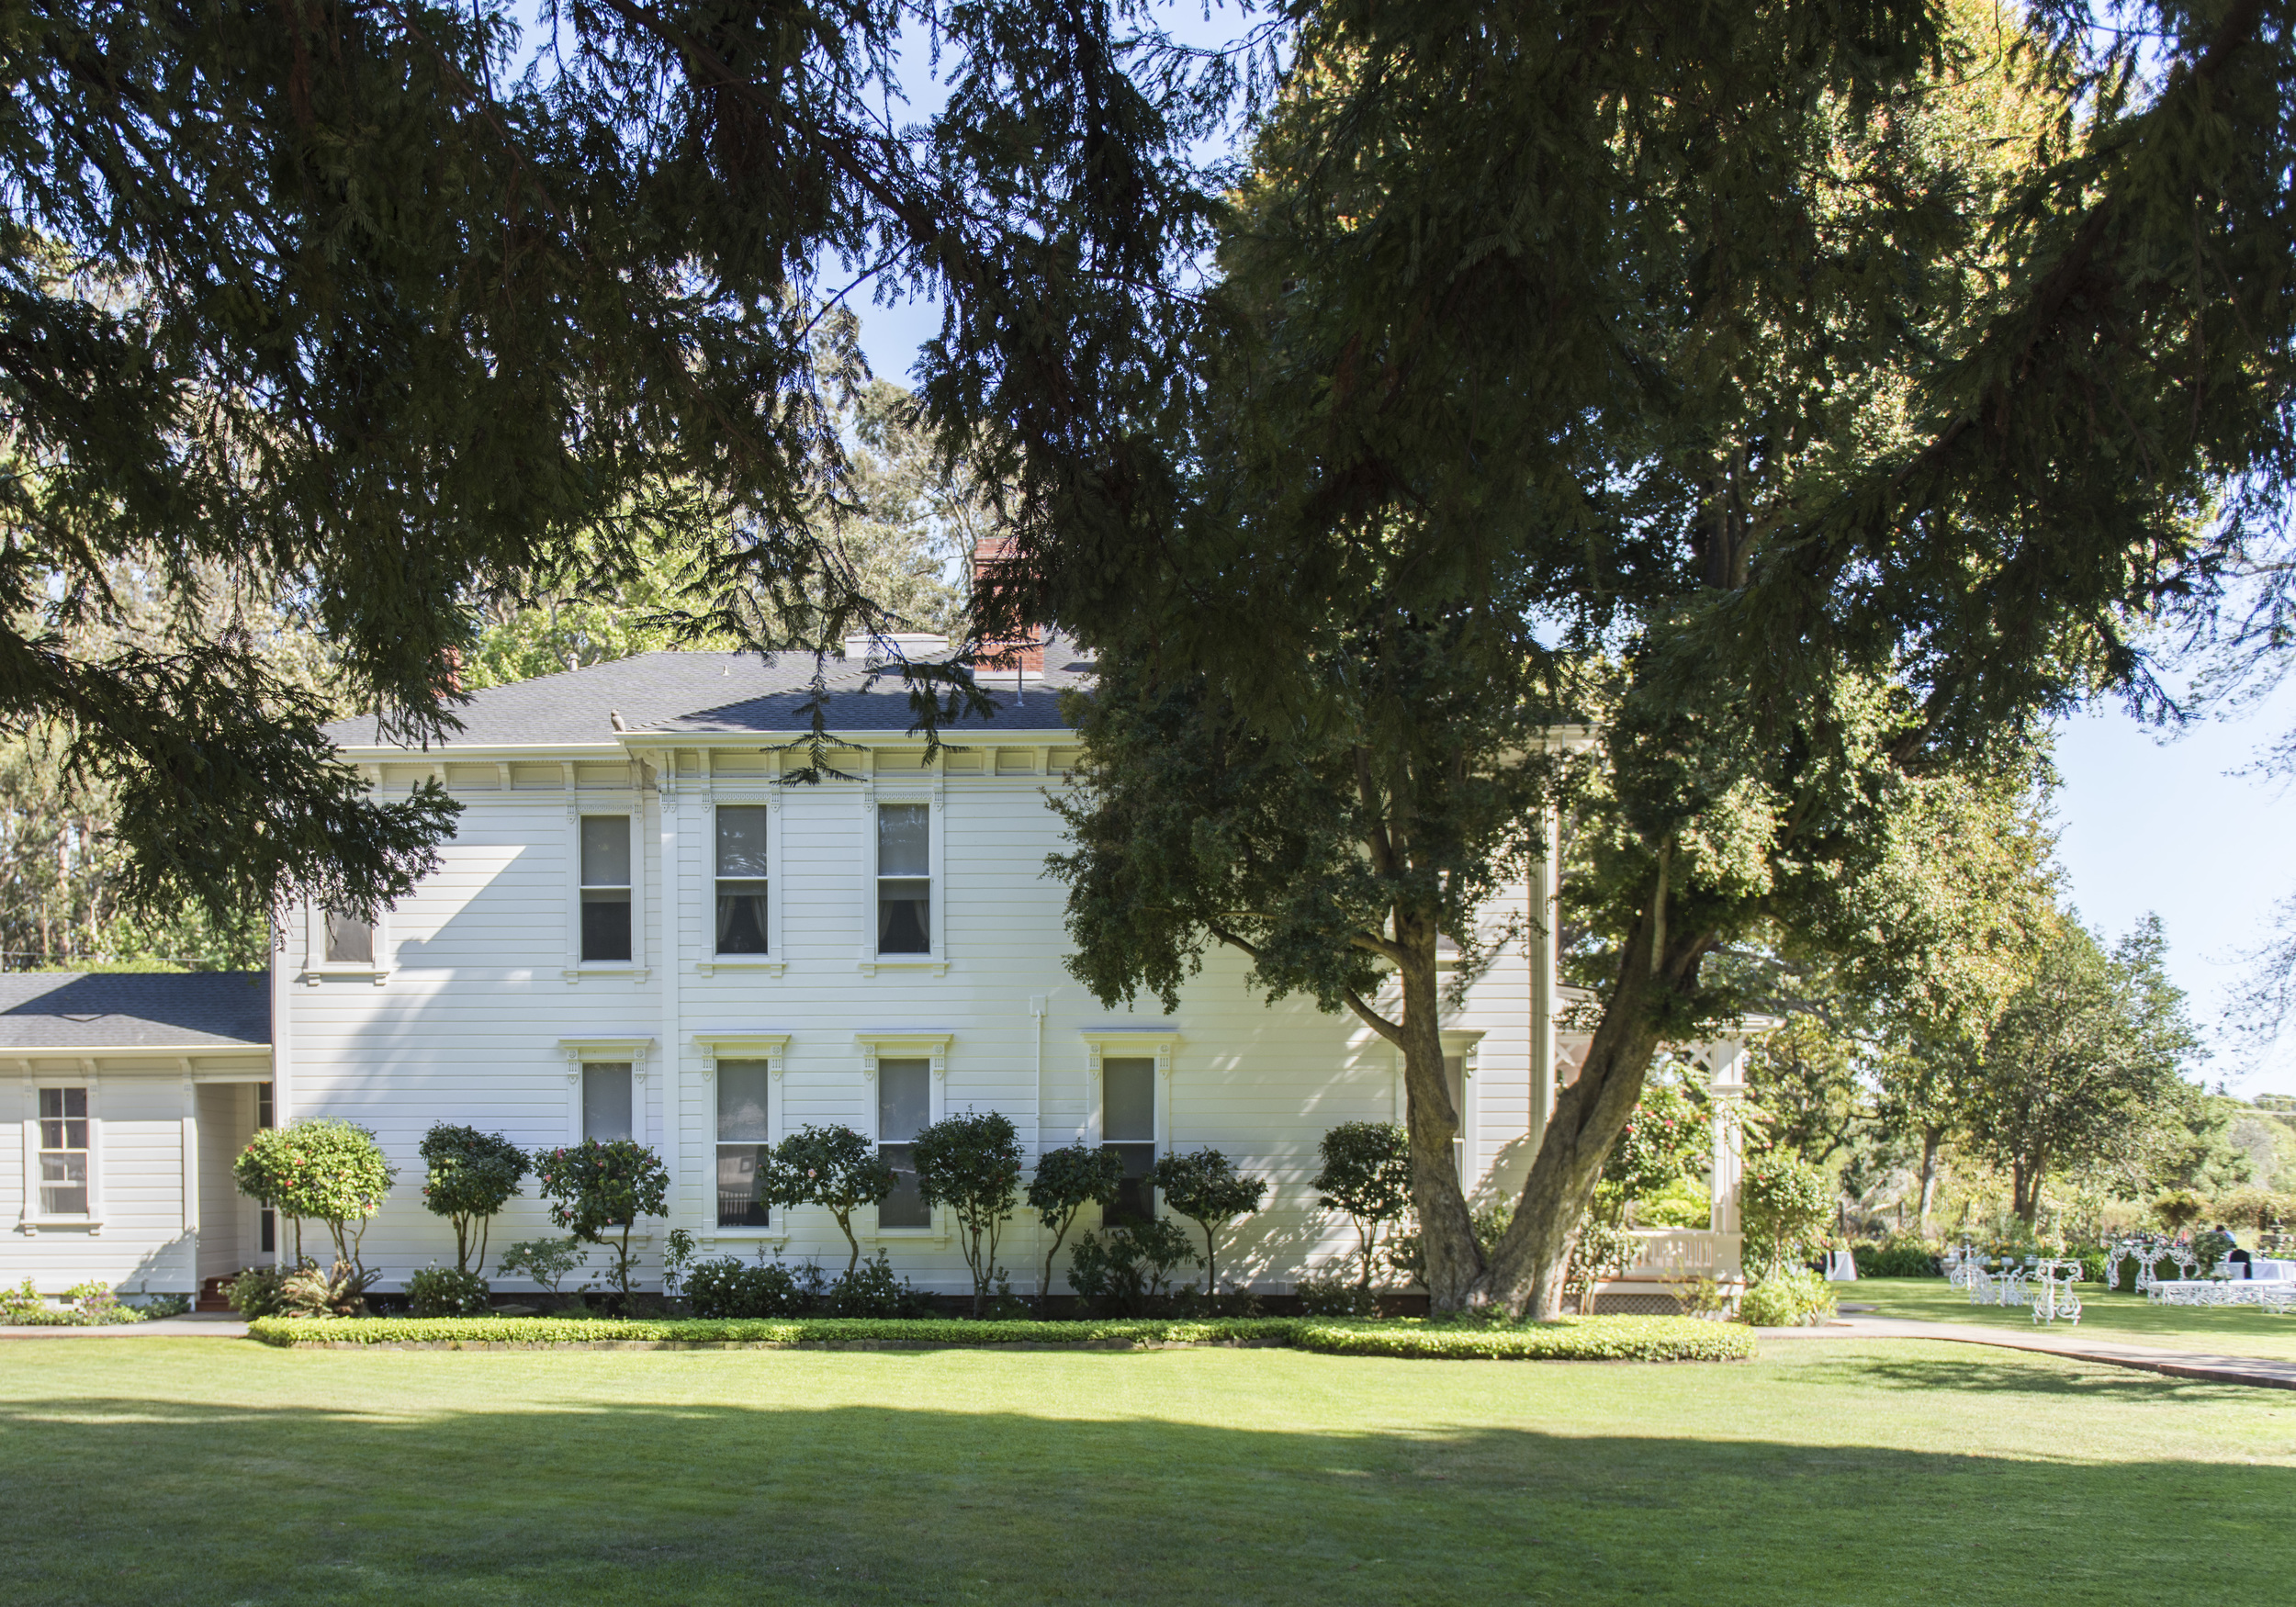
(197, 1471)
(2239, 1330)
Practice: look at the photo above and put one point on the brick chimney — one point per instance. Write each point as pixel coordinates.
(1025, 653)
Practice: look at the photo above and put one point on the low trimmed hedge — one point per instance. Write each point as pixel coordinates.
(1609, 1339)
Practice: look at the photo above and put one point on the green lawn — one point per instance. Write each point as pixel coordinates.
(140, 1470)
(2241, 1331)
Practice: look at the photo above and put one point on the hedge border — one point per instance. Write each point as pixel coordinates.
(1607, 1339)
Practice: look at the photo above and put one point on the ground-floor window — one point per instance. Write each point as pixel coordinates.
(606, 1101)
(63, 1152)
(742, 1140)
(905, 1107)
(1128, 1129)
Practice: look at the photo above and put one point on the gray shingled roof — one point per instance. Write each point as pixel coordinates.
(719, 692)
(75, 1009)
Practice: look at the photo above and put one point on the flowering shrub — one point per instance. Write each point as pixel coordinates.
(325, 1169)
(972, 1164)
(1666, 1139)
(1785, 1204)
(1067, 1180)
(833, 1167)
(467, 1176)
(447, 1291)
(594, 1187)
(1367, 1174)
(725, 1286)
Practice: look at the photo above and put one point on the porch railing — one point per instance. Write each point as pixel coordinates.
(1686, 1253)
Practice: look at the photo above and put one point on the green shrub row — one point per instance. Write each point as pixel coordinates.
(1645, 1338)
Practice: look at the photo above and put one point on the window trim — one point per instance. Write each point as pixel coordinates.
(741, 1044)
(1466, 1043)
(32, 1217)
(579, 1053)
(630, 805)
(933, 1049)
(318, 967)
(928, 790)
(774, 961)
(1127, 1043)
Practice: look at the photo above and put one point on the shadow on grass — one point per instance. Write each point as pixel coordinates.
(1980, 1372)
(132, 1500)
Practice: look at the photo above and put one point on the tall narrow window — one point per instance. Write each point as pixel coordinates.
(350, 941)
(741, 879)
(1454, 1079)
(905, 879)
(63, 1152)
(605, 887)
(606, 1100)
(741, 1143)
(1128, 1129)
(905, 1105)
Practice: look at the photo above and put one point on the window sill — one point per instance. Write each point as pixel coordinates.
(574, 974)
(761, 964)
(314, 975)
(925, 963)
(30, 1226)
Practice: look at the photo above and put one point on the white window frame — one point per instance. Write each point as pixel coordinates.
(927, 789)
(318, 967)
(630, 805)
(1466, 1043)
(741, 1044)
(766, 795)
(1102, 1044)
(933, 1049)
(579, 1053)
(33, 1219)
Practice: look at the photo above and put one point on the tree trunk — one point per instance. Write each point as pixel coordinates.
(1528, 1267)
(1453, 1262)
(1932, 1141)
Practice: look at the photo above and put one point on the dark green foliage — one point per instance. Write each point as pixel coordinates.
(320, 1168)
(1334, 1296)
(1785, 1204)
(1366, 1173)
(595, 1187)
(871, 1289)
(467, 1176)
(255, 1291)
(1204, 1187)
(1897, 1258)
(447, 1291)
(972, 1164)
(727, 1287)
(1127, 1271)
(1067, 1180)
(833, 1167)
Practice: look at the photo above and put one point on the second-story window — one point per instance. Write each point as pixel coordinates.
(350, 940)
(905, 879)
(605, 887)
(741, 879)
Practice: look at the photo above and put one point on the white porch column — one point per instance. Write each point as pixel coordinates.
(1726, 1059)
(1544, 885)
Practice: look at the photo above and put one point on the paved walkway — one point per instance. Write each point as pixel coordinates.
(197, 1326)
(2063, 1342)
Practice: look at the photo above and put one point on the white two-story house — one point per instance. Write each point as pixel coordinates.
(643, 929)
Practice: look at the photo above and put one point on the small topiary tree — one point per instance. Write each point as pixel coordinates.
(325, 1169)
(1367, 1174)
(833, 1167)
(972, 1164)
(1207, 1190)
(1784, 1205)
(595, 1185)
(467, 1176)
(1067, 1180)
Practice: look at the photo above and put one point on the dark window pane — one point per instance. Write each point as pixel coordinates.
(738, 1202)
(904, 918)
(741, 1086)
(349, 941)
(904, 1099)
(605, 851)
(741, 918)
(605, 925)
(606, 1100)
(905, 1207)
(903, 841)
(1127, 1109)
(262, 1109)
(1135, 1196)
(269, 1243)
(740, 841)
